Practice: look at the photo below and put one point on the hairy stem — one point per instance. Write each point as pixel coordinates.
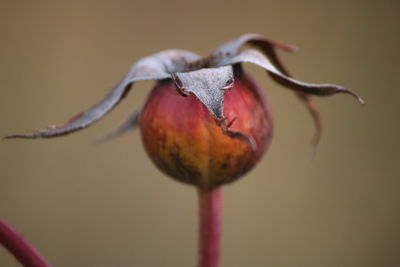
(210, 209)
(19, 247)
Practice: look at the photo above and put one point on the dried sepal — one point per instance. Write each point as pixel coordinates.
(231, 48)
(156, 67)
(128, 124)
(313, 110)
(160, 65)
(257, 58)
(207, 85)
(268, 47)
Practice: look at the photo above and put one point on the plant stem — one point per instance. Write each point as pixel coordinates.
(19, 247)
(210, 209)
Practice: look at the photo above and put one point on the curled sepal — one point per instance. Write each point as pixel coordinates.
(230, 49)
(128, 124)
(268, 47)
(257, 58)
(207, 85)
(313, 110)
(155, 67)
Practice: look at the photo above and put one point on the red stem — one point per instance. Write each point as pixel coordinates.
(210, 209)
(19, 247)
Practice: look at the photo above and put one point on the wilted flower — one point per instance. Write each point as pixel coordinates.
(205, 122)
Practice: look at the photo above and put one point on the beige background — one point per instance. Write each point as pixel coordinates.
(83, 204)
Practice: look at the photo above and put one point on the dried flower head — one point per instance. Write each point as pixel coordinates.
(219, 125)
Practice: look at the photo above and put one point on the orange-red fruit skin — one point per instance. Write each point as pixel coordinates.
(184, 141)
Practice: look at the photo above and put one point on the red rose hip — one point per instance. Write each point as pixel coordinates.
(186, 142)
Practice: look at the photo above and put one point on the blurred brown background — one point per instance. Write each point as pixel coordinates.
(83, 204)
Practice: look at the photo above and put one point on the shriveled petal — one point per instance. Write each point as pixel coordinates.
(128, 124)
(257, 58)
(156, 67)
